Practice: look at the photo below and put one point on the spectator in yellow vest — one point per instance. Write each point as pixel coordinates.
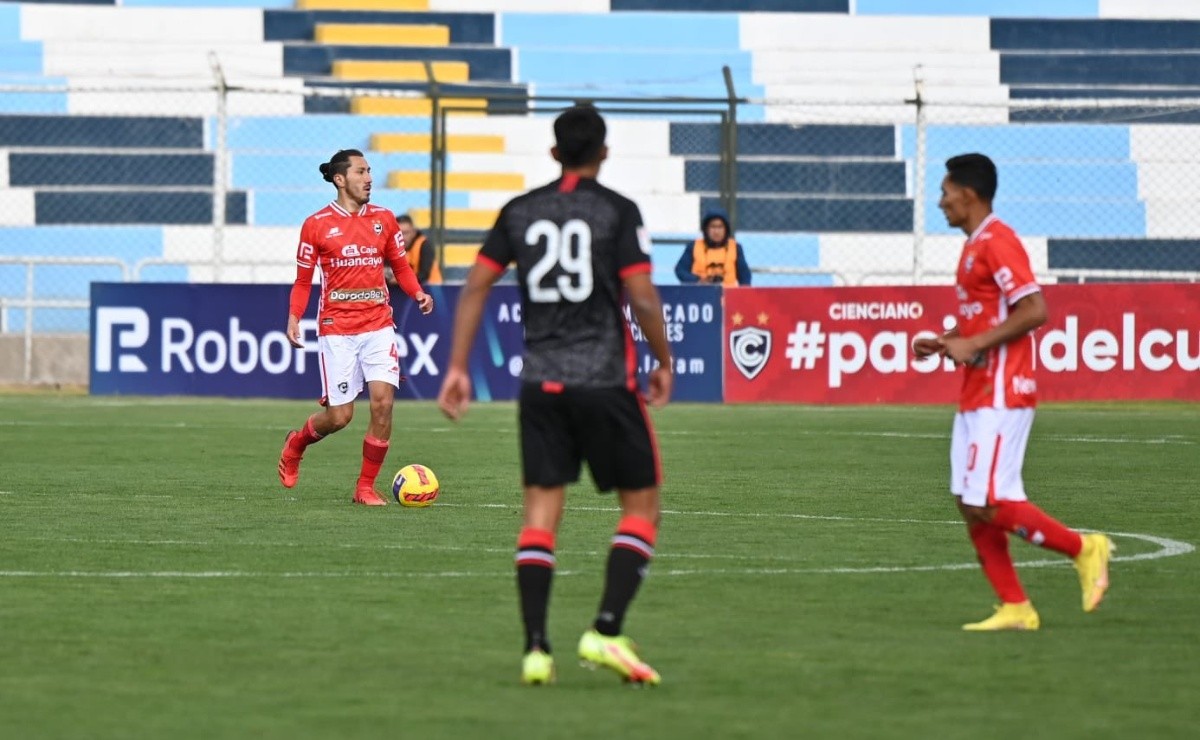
(422, 255)
(716, 257)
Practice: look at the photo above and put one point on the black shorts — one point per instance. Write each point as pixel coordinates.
(608, 427)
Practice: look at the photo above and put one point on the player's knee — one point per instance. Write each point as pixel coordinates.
(543, 507)
(340, 416)
(642, 503)
(381, 411)
(974, 514)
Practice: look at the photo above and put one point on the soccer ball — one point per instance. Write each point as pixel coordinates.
(415, 485)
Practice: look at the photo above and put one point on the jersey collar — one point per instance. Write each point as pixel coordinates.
(342, 211)
(982, 227)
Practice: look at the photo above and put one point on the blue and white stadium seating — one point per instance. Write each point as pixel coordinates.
(87, 169)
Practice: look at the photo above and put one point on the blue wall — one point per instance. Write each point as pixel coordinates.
(1094, 34)
(801, 177)
(569, 32)
(324, 134)
(101, 131)
(806, 140)
(300, 25)
(1125, 254)
(276, 170)
(150, 170)
(134, 207)
(1060, 142)
(819, 214)
(10, 22)
(739, 6)
(20, 56)
(317, 59)
(998, 8)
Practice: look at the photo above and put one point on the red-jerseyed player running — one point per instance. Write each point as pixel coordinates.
(999, 306)
(349, 240)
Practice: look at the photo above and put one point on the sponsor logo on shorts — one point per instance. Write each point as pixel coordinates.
(343, 387)
(374, 295)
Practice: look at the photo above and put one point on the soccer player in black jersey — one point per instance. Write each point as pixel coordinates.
(579, 249)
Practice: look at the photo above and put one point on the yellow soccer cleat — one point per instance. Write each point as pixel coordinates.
(537, 668)
(1020, 616)
(617, 653)
(1092, 564)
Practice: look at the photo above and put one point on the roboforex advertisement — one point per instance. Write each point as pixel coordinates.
(225, 340)
(228, 340)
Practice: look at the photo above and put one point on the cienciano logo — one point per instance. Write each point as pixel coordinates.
(750, 348)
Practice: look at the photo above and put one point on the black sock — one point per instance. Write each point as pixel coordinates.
(535, 571)
(632, 548)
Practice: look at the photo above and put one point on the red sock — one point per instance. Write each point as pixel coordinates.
(637, 534)
(307, 436)
(991, 544)
(1031, 523)
(374, 451)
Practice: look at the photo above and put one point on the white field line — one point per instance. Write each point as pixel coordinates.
(1167, 548)
(1168, 439)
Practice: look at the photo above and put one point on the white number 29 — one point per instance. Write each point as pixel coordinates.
(569, 246)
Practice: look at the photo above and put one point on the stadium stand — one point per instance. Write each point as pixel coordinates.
(826, 190)
(1099, 58)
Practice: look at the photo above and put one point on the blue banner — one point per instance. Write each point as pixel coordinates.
(228, 340)
(694, 318)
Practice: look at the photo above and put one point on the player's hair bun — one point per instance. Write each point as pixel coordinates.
(325, 172)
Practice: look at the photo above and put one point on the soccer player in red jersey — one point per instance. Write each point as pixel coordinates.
(349, 241)
(579, 249)
(999, 306)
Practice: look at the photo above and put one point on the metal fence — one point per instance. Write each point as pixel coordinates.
(99, 184)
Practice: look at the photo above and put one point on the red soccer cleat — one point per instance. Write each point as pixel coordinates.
(368, 497)
(289, 462)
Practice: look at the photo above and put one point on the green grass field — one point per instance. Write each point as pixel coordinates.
(811, 578)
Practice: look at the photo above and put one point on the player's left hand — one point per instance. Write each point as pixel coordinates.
(962, 351)
(293, 332)
(658, 386)
(926, 346)
(424, 302)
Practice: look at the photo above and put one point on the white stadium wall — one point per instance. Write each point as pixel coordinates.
(1169, 9)
(106, 23)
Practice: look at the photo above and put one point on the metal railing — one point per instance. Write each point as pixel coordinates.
(29, 303)
(731, 164)
(723, 110)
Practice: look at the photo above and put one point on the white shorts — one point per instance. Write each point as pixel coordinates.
(347, 360)
(987, 451)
